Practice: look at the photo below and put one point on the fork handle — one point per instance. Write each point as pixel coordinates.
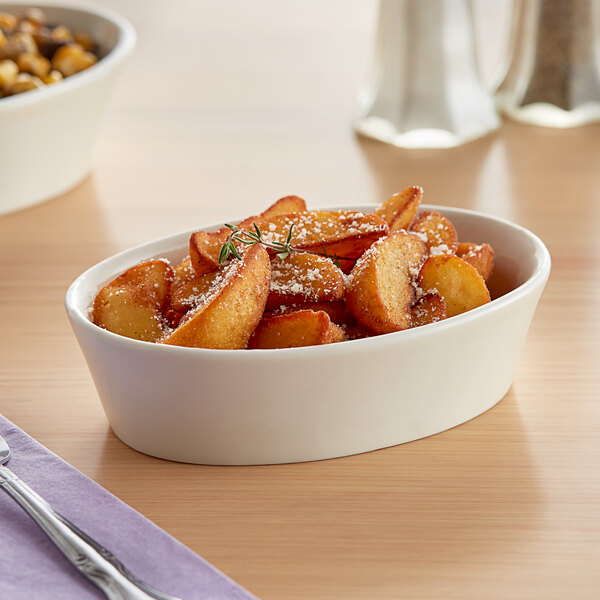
(89, 557)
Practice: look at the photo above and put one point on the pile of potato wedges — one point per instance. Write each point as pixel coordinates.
(348, 275)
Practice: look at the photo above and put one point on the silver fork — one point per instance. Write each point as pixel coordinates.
(89, 557)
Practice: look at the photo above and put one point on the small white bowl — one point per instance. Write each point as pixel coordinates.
(234, 407)
(48, 136)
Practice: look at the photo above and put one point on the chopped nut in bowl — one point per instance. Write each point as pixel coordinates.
(58, 65)
(35, 53)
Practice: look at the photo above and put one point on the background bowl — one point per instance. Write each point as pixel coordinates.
(298, 404)
(47, 136)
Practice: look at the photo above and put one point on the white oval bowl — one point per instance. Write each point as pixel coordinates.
(48, 136)
(234, 407)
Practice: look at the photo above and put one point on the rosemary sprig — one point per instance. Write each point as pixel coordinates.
(282, 249)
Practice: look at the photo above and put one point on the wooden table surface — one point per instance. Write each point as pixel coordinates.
(223, 108)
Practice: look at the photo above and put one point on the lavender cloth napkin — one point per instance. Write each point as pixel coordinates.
(32, 568)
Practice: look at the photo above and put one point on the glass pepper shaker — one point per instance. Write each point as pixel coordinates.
(424, 89)
(553, 73)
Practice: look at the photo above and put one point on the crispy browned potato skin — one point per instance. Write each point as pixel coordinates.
(439, 231)
(399, 210)
(456, 281)
(296, 329)
(481, 256)
(336, 310)
(229, 313)
(187, 295)
(381, 292)
(430, 308)
(183, 272)
(300, 278)
(133, 304)
(283, 206)
(204, 250)
(330, 228)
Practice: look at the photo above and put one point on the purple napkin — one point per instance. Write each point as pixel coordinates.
(32, 568)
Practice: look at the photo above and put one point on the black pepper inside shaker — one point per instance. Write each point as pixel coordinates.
(553, 76)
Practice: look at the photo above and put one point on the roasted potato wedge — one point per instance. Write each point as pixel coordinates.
(381, 292)
(430, 308)
(188, 295)
(438, 230)
(133, 304)
(283, 206)
(183, 272)
(456, 281)
(342, 233)
(336, 310)
(185, 290)
(399, 210)
(204, 250)
(229, 312)
(337, 313)
(299, 328)
(304, 278)
(481, 256)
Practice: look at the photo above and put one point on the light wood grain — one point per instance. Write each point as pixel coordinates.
(223, 108)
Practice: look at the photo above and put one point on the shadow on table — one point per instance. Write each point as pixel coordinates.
(70, 228)
(449, 176)
(459, 500)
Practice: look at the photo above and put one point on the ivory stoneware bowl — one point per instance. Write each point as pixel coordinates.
(243, 407)
(48, 136)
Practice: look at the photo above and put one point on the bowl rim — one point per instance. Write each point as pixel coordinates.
(125, 44)
(537, 278)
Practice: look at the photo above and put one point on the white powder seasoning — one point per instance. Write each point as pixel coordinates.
(440, 249)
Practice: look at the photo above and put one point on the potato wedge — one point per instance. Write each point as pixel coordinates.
(183, 272)
(133, 304)
(381, 292)
(336, 310)
(228, 314)
(456, 281)
(438, 230)
(204, 250)
(283, 206)
(399, 210)
(295, 329)
(189, 294)
(304, 278)
(430, 308)
(481, 256)
(342, 233)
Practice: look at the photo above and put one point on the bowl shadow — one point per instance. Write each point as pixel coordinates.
(449, 176)
(469, 493)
